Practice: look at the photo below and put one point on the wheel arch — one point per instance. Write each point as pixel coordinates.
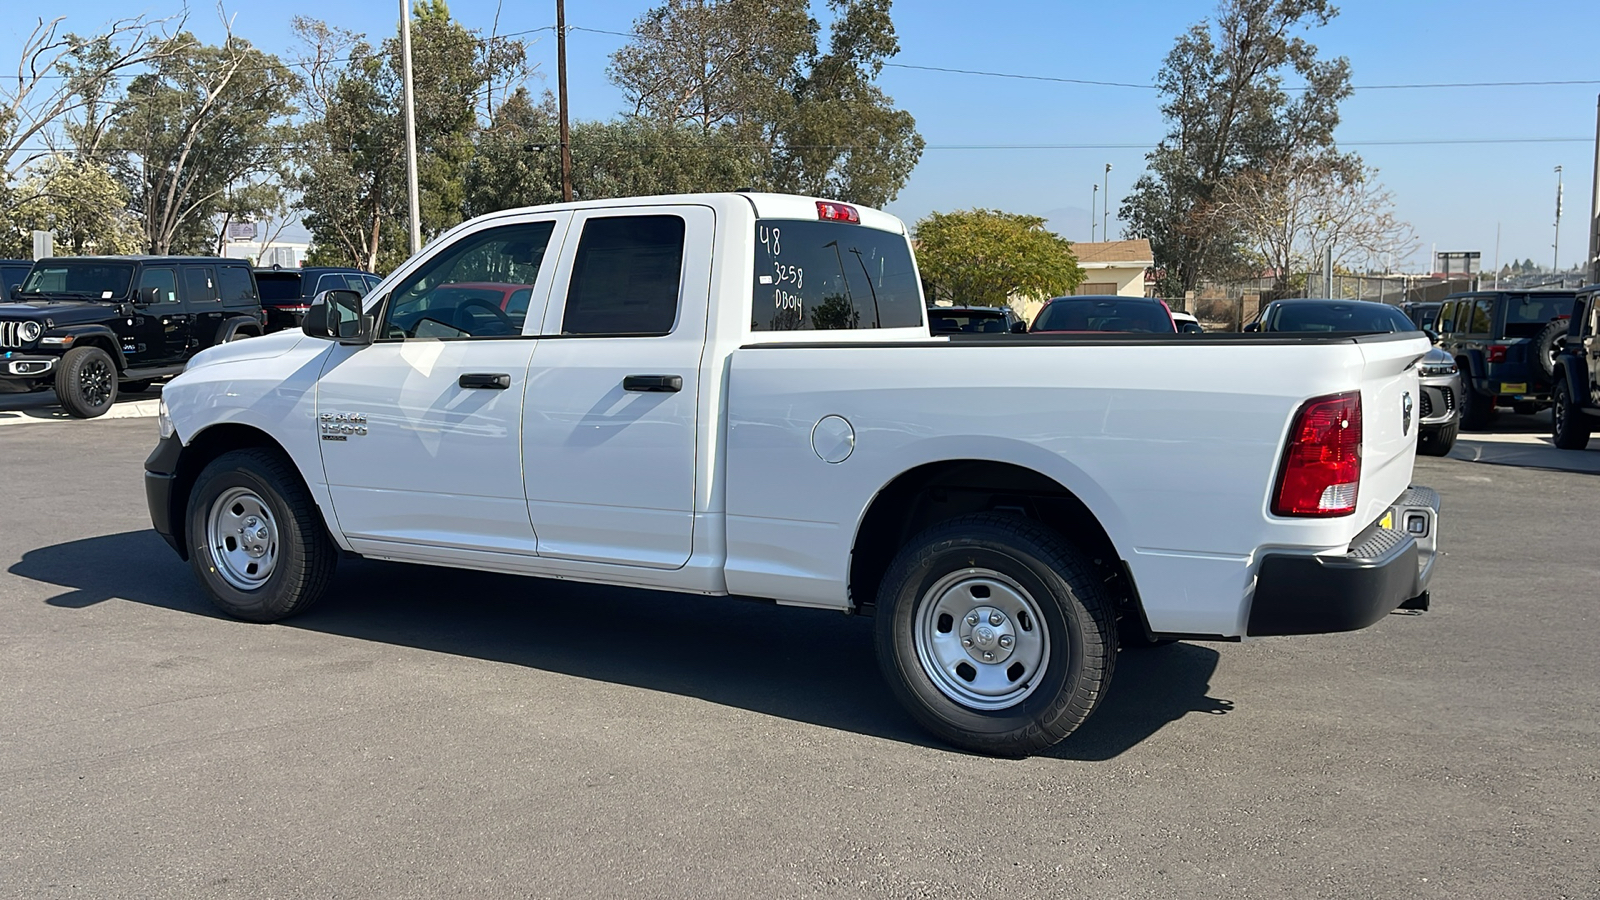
(207, 445)
(102, 337)
(933, 492)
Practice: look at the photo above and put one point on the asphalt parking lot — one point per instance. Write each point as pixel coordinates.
(430, 732)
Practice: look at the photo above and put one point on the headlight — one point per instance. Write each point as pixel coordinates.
(29, 332)
(1436, 371)
(163, 419)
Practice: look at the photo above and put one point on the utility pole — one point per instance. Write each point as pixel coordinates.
(1497, 256)
(1105, 210)
(411, 127)
(1594, 206)
(1555, 264)
(1093, 200)
(561, 79)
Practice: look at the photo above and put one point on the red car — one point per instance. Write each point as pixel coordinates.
(1103, 314)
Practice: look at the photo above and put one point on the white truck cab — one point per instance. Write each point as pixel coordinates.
(738, 394)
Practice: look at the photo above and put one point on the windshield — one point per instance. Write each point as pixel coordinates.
(966, 321)
(1527, 314)
(1104, 314)
(1362, 317)
(93, 280)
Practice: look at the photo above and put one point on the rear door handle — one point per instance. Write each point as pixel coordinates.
(493, 382)
(655, 384)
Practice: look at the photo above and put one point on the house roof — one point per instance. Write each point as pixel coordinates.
(1136, 253)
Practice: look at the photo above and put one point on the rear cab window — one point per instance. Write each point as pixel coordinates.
(832, 276)
(236, 286)
(1528, 314)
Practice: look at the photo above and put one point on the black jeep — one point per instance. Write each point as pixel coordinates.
(1504, 343)
(286, 293)
(84, 325)
(1576, 413)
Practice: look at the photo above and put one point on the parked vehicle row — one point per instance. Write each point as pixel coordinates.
(90, 328)
(1439, 381)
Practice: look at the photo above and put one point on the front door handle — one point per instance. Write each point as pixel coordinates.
(654, 384)
(494, 382)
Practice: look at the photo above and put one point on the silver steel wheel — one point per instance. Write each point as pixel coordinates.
(243, 538)
(981, 639)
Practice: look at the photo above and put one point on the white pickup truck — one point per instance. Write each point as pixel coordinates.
(738, 394)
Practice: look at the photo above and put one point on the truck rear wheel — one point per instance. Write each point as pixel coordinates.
(1477, 410)
(995, 634)
(1570, 430)
(86, 382)
(256, 540)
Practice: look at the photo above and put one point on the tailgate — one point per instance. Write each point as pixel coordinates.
(1390, 410)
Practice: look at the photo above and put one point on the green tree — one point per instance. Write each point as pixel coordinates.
(983, 257)
(78, 200)
(204, 122)
(352, 183)
(751, 72)
(1228, 113)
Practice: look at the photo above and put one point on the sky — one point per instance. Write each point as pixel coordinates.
(1039, 147)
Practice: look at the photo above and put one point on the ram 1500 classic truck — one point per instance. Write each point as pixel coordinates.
(738, 394)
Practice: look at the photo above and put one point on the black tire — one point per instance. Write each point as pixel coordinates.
(1570, 430)
(1075, 626)
(86, 382)
(1477, 410)
(134, 387)
(303, 556)
(1438, 441)
(1547, 344)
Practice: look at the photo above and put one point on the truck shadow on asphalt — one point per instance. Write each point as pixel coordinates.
(805, 665)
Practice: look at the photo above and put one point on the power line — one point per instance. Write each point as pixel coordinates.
(1126, 84)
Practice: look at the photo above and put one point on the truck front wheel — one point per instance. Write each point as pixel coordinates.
(86, 382)
(256, 540)
(994, 633)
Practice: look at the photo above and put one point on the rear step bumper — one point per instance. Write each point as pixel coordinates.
(1387, 568)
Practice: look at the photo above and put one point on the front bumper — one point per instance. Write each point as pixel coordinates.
(1387, 568)
(26, 365)
(1437, 403)
(160, 473)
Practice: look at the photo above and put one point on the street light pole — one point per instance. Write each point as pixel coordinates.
(411, 127)
(561, 79)
(1105, 209)
(1094, 199)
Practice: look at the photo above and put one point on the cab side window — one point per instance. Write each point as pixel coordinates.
(625, 277)
(1481, 316)
(158, 286)
(1447, 317)
(235, 285)
(199, 285)
(463, 292)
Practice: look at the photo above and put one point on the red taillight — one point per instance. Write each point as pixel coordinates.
(837, 212)
(1497, 353)
(1321, 469)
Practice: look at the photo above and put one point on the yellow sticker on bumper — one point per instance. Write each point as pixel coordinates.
(1510, 388)
(1387, 521)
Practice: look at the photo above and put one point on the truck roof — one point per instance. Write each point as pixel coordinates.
(765, 205)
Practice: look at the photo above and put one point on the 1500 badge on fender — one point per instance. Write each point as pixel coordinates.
(339, 426)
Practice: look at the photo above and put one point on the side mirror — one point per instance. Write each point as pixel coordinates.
(1192, 328)
(1432, 335)
(336, 316)
(1253, 327)
(16, 292)
(146, 296)
(1019, 327)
